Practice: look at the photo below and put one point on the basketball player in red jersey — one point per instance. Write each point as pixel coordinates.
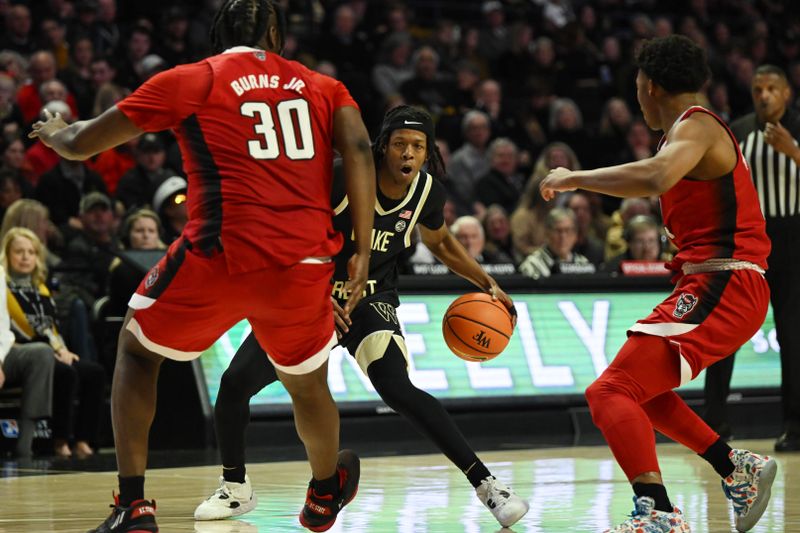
(257, 134)
(712, 215)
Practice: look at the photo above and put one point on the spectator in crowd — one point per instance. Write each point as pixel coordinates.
(78, 75)
(137, 187)
(470, 162)
(428, 88)
(643, 238)
(137, 47)
(10, 190)
(515, 65)
(527, 220)
(33, 215)
(12, 161)
(29, 366)
(629, 208)
(42, 68)
(17, 35)
(11, 119)
(615, 122)
(394, 67)
(469, 232)
(174, 46)
(33, 319)
(497, 229)
(88, 255)
(61, 189)
(557, 256)
(105, 33)
(489, 99)
(566, 125)
(102, 72)
(140, 231)
(494, 37)
(591, 230)
(112, 164)
(169, 201)
(54, 39)
(503, 184)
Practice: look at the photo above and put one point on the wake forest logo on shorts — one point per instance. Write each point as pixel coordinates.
(684, 305)
(152, 277)
(386, 311)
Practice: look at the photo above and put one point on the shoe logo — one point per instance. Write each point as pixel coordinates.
(117, 521)
(143, 510)
(490, 503)
(233, 505)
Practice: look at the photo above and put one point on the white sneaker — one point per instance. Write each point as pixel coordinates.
(230, 499)
(506, 506)
(646, 519)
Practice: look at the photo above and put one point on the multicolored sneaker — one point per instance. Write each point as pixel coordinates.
(139, 517)
(319, 512)
(749, 487)
(646, 519)
(230, 499)
(506, 506)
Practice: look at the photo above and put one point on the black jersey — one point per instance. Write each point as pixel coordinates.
(391, 234)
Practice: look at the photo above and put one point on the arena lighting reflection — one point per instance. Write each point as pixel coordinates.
(582, 492)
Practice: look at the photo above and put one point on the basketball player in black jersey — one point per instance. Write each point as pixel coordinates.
(407, 197)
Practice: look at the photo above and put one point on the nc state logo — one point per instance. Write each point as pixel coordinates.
(684, 305)
(152, 277)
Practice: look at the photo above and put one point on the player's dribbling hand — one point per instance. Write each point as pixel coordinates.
(357, 270)
(45, 130)
(499, 294)
(558, 180)
(340, 319)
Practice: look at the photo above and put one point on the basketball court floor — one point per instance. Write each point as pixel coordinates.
(576, 489)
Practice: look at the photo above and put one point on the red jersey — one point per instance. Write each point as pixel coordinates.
(718, 218)
(256, 135)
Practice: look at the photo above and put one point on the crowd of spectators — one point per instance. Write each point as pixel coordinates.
(516, 87)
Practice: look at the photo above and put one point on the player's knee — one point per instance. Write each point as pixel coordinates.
(396, 392)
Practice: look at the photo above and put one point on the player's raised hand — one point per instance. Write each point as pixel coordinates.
(357, 270)
(558, 180)
(44, 130)
(499, 294)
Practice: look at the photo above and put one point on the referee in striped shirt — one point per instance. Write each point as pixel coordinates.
(769, 141)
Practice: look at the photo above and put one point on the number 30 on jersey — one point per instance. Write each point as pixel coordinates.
(295, 127)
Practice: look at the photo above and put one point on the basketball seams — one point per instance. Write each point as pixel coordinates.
(492, 302)
(470, 319)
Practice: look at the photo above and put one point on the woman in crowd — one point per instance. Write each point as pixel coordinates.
(33, 319)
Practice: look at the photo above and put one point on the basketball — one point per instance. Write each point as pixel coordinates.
(476, 328)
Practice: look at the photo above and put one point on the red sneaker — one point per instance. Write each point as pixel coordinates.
(319, 512)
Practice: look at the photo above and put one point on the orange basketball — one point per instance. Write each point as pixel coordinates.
(476, 328)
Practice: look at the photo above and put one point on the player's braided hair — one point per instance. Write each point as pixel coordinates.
(244, 23)
(436, 165)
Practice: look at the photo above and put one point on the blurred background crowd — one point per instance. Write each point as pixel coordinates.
(516, 87)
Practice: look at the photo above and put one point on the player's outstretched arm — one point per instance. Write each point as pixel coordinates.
(85, 138)
(689, 141)
(352, 141)
(449, 251)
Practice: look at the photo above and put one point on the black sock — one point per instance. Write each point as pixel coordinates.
(130, 489)
(476, 473)
(327, 486)
(234, 474)
(657, 492)
(718, 456)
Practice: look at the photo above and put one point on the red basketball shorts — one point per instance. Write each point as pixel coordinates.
(187, 301)
(708, 317)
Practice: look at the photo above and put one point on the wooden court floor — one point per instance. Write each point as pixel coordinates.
(569, 489)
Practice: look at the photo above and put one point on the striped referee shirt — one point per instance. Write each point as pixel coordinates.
(776, 175)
